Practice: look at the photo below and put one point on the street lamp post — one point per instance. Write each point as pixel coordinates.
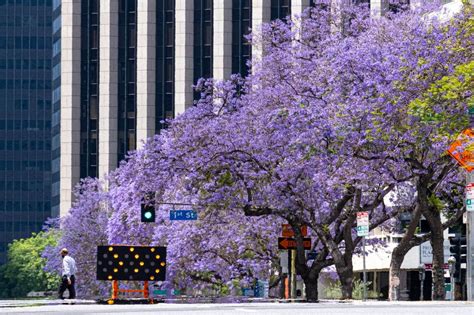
(452, 270)
(421, 275)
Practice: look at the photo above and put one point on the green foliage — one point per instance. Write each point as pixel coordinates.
(326, 229)
(437, 103)
(333, 291)
(23, 271)
(225, 179)
(436, 202)
(449, 90)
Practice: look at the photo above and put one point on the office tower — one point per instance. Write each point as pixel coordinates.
(25, 118)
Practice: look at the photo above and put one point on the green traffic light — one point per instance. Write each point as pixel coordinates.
(147, 215)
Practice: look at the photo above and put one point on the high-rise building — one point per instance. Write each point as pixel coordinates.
(25, 118)
(128, 65)
(56, 104)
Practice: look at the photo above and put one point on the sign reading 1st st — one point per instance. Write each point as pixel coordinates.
(183, 215)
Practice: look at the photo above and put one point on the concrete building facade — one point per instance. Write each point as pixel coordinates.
(129, 65)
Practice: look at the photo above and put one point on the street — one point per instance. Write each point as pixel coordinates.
(333, 308)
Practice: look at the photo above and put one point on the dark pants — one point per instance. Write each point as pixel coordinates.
(64, 285)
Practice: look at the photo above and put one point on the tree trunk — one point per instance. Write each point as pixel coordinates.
(310, 275)
(394, 277)
(432, 215)
(346, 277)
(437, 241)
(311, 288)
(398, 255)
(343, 264)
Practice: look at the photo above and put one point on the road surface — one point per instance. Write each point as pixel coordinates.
(333, 308)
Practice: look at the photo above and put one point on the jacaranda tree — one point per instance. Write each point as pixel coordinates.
(324, 127)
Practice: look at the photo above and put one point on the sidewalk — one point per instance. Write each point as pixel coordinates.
(38, 302)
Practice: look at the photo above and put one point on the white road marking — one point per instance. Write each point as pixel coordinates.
(246, 310)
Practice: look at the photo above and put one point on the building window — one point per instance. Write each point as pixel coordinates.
(280, 9)
(241, 24)
(89, 87)
(165, 50)
(127, 59)
(365, 3)
(25, 117)
(56, 24)
(398, 6)
(202, 40)
(317, 3)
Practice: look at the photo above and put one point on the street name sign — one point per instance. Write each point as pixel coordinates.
(290, 243)
(287, 231)
(469, 205)
(362, 223)
(183, 215)
(470, 197)
(462, 149)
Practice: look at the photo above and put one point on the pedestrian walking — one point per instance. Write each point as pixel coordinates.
(68, 278)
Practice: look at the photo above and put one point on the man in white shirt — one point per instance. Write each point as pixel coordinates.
(68, 275)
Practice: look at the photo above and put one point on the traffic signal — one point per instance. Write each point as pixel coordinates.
(147, 208)
(147, 213)
(463, 252)
(455, 251)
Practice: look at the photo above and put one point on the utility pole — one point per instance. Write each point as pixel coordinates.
(469, 230)
(470, 240)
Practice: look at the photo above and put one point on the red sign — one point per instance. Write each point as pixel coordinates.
(430, 266)
(462, 150)
(290, 243)
(287, 231)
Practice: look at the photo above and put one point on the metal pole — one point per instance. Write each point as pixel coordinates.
(470, 256)
(421, 275)
(293, 273)
(469, 231)
(452, 270)
(364, 270)
(290, 276)
(421, 288)
(470, 246)
(451, 276)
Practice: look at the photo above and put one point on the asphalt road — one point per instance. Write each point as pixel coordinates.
(333, 308)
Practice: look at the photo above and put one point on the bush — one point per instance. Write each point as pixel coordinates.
(333, 291)
(23, 271)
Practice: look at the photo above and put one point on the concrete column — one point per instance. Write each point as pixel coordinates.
(378, 8)
(183, 56)
(70, 101)
(146, 70)
(108, 86)
(261, 13)
(336, 13)
(298, 6)
(222, 41)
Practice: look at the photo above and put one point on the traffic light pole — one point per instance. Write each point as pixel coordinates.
(452, 270)
(470, 248)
